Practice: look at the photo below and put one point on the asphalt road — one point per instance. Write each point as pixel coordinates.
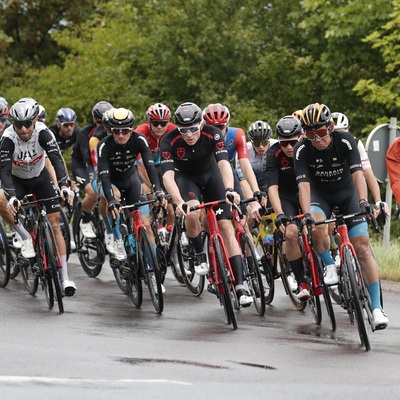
(104, 348)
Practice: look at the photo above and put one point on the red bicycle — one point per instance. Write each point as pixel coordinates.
(353, 293)
(220, 276)
(313, 272)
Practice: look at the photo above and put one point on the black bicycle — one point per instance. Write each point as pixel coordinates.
(5, 256)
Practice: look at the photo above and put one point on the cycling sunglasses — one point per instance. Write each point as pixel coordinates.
(3, 119)
(187, 130)
(68, 124)
(121, 131)
(20, 124)
(320, 133)
(156, 123)
(285, 143)
(259, 143)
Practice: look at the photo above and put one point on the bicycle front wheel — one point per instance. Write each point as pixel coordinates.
(326, 292)
(226, 286)
(350, 268)
(314, 301)
(151, 270)
(5, 257)
(252, 274)
(53, 264)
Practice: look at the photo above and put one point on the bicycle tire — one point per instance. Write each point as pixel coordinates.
(252, 273)
(350, 267)
(64, 227)
(285, 271)
(14, 267)
(120, 277)
(225, 286)
(176, 268)
(265, 267)
(186, 254)
(29, 276)
(134, 282)
(327, 296)
(5, 257)
(162, 262)
(314, 301)
(150, 269)
(53, 264)
(91, 252)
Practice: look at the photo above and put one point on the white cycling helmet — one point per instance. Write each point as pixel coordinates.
(340, 120)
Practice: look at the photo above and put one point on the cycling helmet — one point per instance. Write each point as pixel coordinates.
(119, 118)
(3, 110)
(259, 130)
(65, 115)
(216, 114)
(158, 111)
(99, 109)
(42, 113)
(106, 118)
(25, 109)
(315, 116)
(188, 114)
(340, 120)
(298, 114)
(288, 126)
(3, 101)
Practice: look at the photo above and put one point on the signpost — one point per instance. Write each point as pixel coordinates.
(378, 143)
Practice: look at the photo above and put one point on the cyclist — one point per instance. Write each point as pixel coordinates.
(195, 164)
(22, 170)
(65, 130)
(42, 114)
(83, 169)
(156, 126)
(235, 141)
(3, 117)
(283, 195)
(116, 170)
(329, 173)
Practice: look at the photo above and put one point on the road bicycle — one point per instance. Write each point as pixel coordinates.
(314, 274)
(141, 264)
(5, 256)
(91, 251)
(44, 268)
(251, 269)
(353, 293)
(220, 276)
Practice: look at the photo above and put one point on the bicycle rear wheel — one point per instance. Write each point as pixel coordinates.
(5, 257)
(53, 264)
(134, 282)
(350, 268)
(91, 252)
(29, 273)
(327, 295)
(119, 275)
(64, 227)
(226, 285)
(252, 274)
(286, 274)
(151, 270)
(186, 254)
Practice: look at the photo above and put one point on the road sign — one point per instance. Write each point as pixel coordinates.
(376, 146)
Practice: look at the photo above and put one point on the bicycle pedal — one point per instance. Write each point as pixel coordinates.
(211, 289)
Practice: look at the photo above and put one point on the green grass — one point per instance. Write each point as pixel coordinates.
(388, 259)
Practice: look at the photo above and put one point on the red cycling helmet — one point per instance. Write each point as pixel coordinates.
(216, 114)
(3, 111)
(158, 111)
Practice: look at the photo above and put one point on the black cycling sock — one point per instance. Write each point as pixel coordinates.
(85, 217)
(197, 243)
(297, 268)
(237, 268)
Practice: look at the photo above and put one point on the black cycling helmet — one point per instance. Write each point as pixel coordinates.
(118, 118)
(288, 126)
(25, 109)
(99, 109)
(188, 114)
(315, 116)
(259, 130)
(65, 115)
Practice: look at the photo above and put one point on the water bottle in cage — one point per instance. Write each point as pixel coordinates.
(268, 243)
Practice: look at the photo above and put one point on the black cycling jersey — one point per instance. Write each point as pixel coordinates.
(328, 170)
(194, 160)
(280, 171)
(80, 149)
(117, 162)
(64, 143)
